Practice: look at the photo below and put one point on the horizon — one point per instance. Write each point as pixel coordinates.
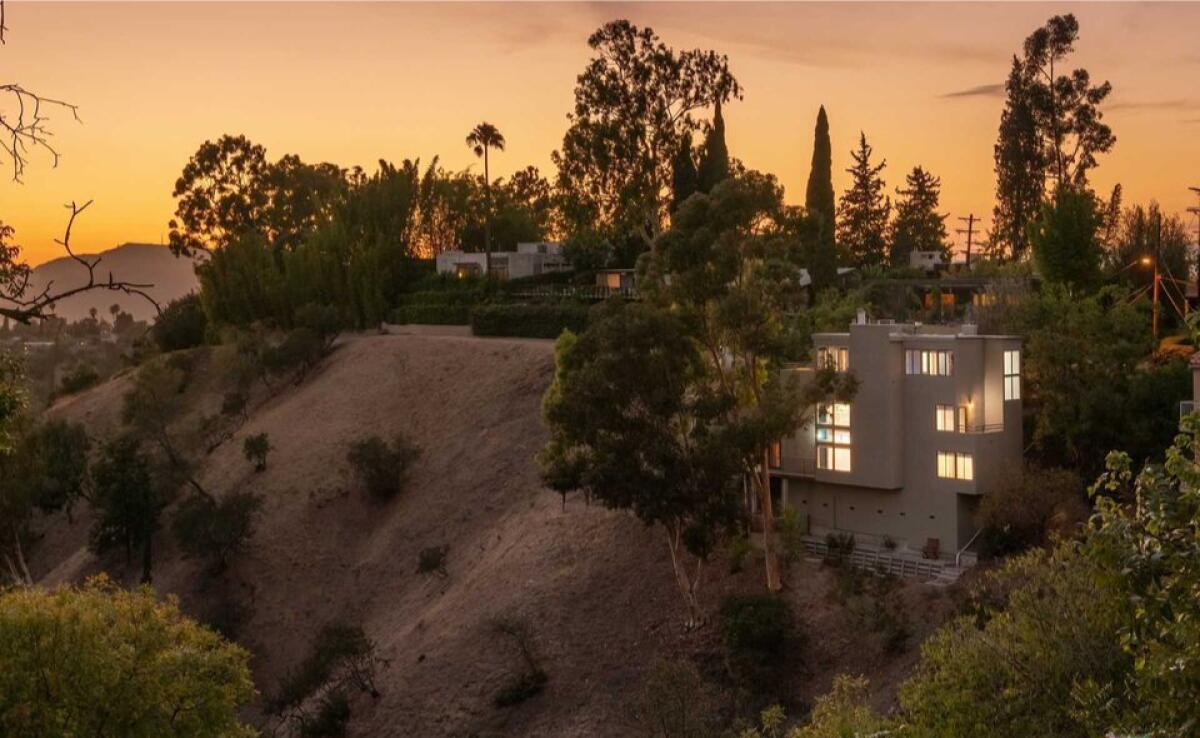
(408, 81)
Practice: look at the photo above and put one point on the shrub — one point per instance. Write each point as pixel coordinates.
(532, 678)
(432, 560)
(216, 530)
(841, 547)
(756, 633)
(740, 551)
(300, 351)
(255, 448)
(330, 721)
(791, 526)
(432, 315)
(324, 321)
(383, 467)
(528, 321)
(520, 688)
(341, 656)
(674, 701)
(181, 325)
(79, 378)
(233, 404)
(1027, 511)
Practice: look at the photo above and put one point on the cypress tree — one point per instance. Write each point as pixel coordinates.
(818, 202)
(1020, 167)
(684, 179)
(864, 210)
(714, 162)
(918, 225)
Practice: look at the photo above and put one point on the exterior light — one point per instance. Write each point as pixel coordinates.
(1146, 261)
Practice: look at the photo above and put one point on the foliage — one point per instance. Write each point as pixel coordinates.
(82, 376)
(792, 529)
(182, 324)
(116, 664)
(1137, 235)
(528, 321)
(634, 103)
(1020, 167)
(841, 713)
(383, 467)
(57, 454)
(330, 721)
(255, 448)
(531, 679)
(685, 180)
(341, 656)
(1063, 238)
(741, 551)
(818, 201)
(129, 500)
(864, 210)
(12, 397)
(918, 226)
(757, 632)
(1029, 508)
(649, 447)
(714, 165)
(674, 701)
(432, 560)
(216, 530)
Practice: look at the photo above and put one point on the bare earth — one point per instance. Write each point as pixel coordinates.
(595, 584)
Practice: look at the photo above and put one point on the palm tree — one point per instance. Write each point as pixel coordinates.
(482, 139)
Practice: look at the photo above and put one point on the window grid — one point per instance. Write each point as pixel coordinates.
(833, 437)
(1012, 375)
(953, 465)
(833, 357)
(932, 363)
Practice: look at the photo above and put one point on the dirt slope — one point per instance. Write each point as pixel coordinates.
(595, 584)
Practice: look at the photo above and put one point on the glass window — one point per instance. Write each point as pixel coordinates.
(833, 437)
(945, 465)
(951, 465)
(841, 415)
(934, 363)
(1012, 375)
(962, 418)
(776, 455)
(833, 357)
(945, 417)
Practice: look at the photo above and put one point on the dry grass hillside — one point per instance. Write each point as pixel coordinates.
(595, 584)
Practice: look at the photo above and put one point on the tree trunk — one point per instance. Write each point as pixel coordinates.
(766, 509)
(147, 558)
(687, 584)
(487, 216)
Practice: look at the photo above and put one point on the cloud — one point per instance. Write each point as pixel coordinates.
(996, 90)
(1174, 104)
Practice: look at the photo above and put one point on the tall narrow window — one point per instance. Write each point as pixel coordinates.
(833, 437)
(945, 418)
(962, 418)
(1012, 375)
(775, 457)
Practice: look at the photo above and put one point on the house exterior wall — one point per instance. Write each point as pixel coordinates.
(893, 488)
(530, 259)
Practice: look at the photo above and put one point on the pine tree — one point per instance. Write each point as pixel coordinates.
(818, 202)
(714, 161)
(918, 225)
(863, 211)
(684, 179)
(1020, 168)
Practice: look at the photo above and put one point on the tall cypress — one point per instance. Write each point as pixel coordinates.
(818, 202)
(684, 179)
(1021, 166)
(714, 161)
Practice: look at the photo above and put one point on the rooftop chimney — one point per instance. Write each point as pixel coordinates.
(862, 317)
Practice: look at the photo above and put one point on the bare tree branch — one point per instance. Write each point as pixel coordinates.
(24, 128)
(16, 305)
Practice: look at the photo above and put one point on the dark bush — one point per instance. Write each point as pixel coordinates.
(300, 351)
(181, 325)
(529, 321)
(840, 547)
(1029, 509)
(216, 530)
(81, 377)
(323, 320)
(520, 688)
(341, 656)
(255, 448)
(531, 678)
(332, 716)
(432, 560)
(383, 467)
(432, 315)
(756, 632)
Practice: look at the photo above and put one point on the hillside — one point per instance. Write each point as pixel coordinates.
(131, 262)
(595, 584)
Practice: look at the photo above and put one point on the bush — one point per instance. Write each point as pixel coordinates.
(756, 633)
(81, 377)
(181, 325)
(216, 530)
(532, 678)
(332, 716)
(382, 467)
(520, 688)
(341, 656)
(674, 701)
(740, 551)
(1028, 511)
(300, 351)
(792, 526)
(324, 321)
(432, 560)
(255, 448)
(841, 547)
(432, 315)
(529, 321)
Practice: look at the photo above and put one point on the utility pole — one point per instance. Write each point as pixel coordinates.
(1196, 211)
(1157, 245)
(970, 220)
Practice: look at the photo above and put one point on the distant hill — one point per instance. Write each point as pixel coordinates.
(131, 262)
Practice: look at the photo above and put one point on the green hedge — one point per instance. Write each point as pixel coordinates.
(432, 314)
(528, 321)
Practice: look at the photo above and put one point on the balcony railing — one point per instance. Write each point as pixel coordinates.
(1187, 407)
(983, 428)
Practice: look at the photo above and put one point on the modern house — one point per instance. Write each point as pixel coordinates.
(529, 260)
(930, 262)
(935, 425)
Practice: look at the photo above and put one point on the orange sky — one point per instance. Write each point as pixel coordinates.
(352, 83)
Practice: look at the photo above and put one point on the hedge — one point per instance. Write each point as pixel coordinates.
(528, 321)
(432, 314)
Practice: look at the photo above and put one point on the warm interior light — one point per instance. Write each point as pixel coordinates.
(1146, 260)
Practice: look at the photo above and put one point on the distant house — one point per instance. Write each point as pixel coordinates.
(930, 262)
(529, 260)
(623, 280)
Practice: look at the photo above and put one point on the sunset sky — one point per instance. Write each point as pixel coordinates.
(353, 83)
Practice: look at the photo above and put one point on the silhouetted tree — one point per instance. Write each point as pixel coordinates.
(918, 226)
(714, 159)
(1064, 238)
(129, 501)
(685, 180)
(482, 139)
(864, 209)
(819, 202)
(1020, 167)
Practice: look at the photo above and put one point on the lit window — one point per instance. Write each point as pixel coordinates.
(833, 437)
(1012, 375)
(962, 418)
(934, 363)
(945, 417)
(952, 465)
(776, 455)
(833, 357)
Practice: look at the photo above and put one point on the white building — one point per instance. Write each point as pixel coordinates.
(529, 260)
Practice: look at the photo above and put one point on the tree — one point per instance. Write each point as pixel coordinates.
(864, 210)
(113, 663)
(221, 195)
(58, 453)
(482, 139)
(1138, 235)
(1065, 107)
(1020, 167)
(129, 500)
(216, 530)
(685, 180)
(634, 102)
(383, 467)
(714, 158)
(648, 447)
(819, 202)
(918, 226)
(728, 267)
(181, 325)
(1063, 238)
(255, 448)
